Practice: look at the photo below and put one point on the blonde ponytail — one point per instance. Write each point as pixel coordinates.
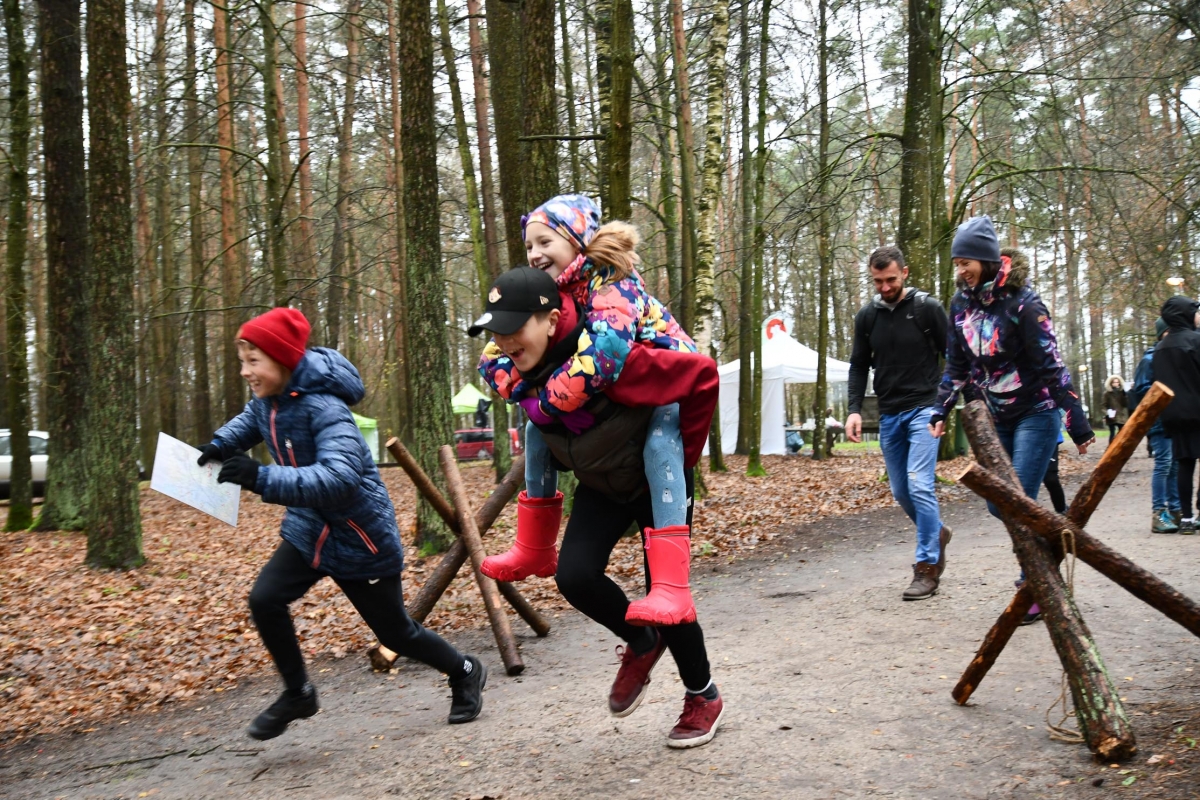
(615, 246)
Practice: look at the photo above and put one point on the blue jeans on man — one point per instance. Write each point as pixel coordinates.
(1164, 490)
(910, 455)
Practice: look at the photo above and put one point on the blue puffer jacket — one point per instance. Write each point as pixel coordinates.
(339, 515)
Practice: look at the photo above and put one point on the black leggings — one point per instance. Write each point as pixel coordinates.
(1053, 486)
(596, 525)
(1185, 471)
(286, 578)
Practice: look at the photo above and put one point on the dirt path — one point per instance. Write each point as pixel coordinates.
(834, 688)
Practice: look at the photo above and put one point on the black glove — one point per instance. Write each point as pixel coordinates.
(239, 469)
(208, 452)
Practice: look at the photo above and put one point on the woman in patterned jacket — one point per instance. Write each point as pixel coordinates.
(1002, 345)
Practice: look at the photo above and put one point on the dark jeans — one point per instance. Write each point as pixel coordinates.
(1113, 429)
(596, 525)
(1185, 471)
(1053, 486)
(287, 576)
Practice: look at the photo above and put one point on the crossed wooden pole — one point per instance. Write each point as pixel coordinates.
(1041, 539)
(467, 526)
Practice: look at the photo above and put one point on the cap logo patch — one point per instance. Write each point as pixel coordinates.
(494, 295)
(543, 300)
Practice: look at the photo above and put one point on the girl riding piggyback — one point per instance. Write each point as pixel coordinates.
(630, 351)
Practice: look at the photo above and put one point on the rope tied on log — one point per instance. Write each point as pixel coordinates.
(1060, 732)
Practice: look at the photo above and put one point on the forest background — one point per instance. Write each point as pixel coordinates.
(173, 168)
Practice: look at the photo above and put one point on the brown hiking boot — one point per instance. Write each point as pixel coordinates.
(943, 539)
(925, 582)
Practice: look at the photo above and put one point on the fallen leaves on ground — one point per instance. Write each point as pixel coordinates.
(79, 645)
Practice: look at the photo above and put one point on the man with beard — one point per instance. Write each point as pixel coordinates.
(900, 334)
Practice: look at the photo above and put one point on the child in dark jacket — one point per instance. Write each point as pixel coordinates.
(339, 522)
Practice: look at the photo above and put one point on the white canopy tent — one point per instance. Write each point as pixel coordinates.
(784, 361)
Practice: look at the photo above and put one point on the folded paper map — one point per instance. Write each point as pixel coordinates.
(177, 475)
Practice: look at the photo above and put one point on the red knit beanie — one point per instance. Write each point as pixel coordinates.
(281, 333)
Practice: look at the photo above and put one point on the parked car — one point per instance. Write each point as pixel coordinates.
(38, 442)
(478, 443)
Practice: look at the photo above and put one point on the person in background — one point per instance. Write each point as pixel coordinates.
(1177, 364)
(1164, 489)
(1116, 409)
(901, 334)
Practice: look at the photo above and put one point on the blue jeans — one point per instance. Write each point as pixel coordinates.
(910, 454)
(1030, 442)
(663, 455)
(1164, 490)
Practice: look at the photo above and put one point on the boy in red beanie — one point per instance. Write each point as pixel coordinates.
(339, 522)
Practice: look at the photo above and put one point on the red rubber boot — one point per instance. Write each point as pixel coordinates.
(668, 553)
(534, 552)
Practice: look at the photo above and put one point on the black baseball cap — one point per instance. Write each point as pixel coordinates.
(514, 297)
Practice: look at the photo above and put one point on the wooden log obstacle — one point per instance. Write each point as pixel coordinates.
(1041, 540)
(468, 527)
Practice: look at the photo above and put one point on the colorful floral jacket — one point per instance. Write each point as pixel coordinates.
(618, 314)
(1001, 343)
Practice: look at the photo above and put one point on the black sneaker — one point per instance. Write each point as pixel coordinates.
(291, 706)
(467, 693)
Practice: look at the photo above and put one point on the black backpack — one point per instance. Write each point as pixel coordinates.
(920, 313)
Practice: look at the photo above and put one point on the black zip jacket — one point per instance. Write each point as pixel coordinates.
(1177, 364)
(904, 358)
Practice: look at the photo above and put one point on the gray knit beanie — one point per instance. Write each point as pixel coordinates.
(976, 239)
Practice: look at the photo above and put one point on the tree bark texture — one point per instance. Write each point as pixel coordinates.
(202, 416)
(1051, 527)
(687, 169)
(540, 108)
(1087, 499)
(110, 439)
(166, 367)
(276, 230)
(431, 423)
(66, 261)
(20, 512)
(1098, 709)
(916, 221)
(504, 60)
(754, 464)
(513, 664)
(338, 249)
(824, 234)
(620, 124)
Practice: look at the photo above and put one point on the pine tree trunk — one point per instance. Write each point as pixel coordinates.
(110, 441)
(276, 238)
(308, 255)
(504, 60)
(20, 512)
(202, 416)
(669, 199)
(428, 357)
(540, 108)
(619, 133)
(501, 451)
(754, 464)
(149, 347)
(233, 391)
(400, 270)
(702, 324)
(166, 370)
(747, 396)
(61, 90)
(687, 170)
(337, 251)
(914, 236)
(823, 233)
(604, 34)
(569, 84)
(482, 273)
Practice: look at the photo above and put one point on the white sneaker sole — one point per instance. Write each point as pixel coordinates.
(699, 741)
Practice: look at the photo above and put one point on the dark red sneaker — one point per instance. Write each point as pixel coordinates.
(698, 723)
(633, 677)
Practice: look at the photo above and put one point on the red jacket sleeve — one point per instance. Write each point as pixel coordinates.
(656, 377)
